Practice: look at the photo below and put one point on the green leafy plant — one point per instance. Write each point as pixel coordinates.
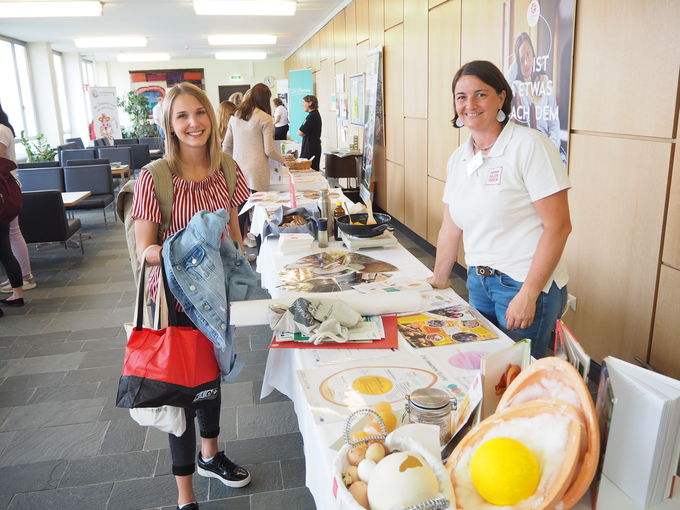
(38, 150)
(137, 107)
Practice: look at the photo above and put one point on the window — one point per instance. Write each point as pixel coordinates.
(61, 93)
(88, 74)
(15, 91)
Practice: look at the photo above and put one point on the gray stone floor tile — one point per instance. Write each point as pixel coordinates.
(82, 375)
(54, 348)
(49, 379)
(4, 413)
(65, 393)
(14, 352)
(151, 492)
(111, 412)
(5, 499)
(265, 449)
(261, 420)
(293, 471)
(5, 439)
(53, 443)
(237, 503)
(102, 344)
(228, 426)
(260, 341)
(36, 476)
(124, 435)
(49, 414)
(108, 358)
(241, 344)
(92, 497)
(42, 364)
(251, 373)
(43, 338)
(15, 397)
(254, 357)
(234, 394)
(299, 499)
(7, 341)
(109, 468)
(264, 477)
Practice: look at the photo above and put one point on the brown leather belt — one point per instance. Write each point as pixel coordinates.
(486, 271)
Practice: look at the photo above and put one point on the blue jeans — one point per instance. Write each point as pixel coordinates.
(491, 295)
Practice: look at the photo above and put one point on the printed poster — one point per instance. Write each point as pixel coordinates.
(105, 112)
(537, 62)
(373, 129)
(300, 85)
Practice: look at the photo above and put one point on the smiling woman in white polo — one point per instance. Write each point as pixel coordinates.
(506, 195)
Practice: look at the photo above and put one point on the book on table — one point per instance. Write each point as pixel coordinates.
(639, 413)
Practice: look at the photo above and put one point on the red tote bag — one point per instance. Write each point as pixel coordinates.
(171, 366)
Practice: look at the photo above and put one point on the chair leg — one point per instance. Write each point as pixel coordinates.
(104, 211)
(82, 249)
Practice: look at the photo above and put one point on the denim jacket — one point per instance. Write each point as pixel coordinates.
(205, 275)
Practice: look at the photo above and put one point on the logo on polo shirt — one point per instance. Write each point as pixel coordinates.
(494, 176)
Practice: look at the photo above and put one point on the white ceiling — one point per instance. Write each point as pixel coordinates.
(171, 26)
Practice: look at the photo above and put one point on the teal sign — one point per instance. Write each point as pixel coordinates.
(300, 84)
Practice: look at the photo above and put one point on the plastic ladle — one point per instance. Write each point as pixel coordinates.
(370, 219)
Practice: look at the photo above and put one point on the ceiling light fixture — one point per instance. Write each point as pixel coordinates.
(143, 57)
(241, 55)
(50, 9)
(240, 39)
(244, 7)
(111, 42)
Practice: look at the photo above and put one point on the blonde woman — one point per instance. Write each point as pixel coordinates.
(224, 113)
(193, 155)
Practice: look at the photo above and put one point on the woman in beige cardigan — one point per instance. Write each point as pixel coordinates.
(250, 137)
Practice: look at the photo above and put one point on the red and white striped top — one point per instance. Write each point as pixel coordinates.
(189, 198)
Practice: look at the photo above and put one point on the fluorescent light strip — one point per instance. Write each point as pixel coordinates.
(244, 7)
(50, 9)
(111, 42)
(238, 39)
(143, 57)
(241, 55)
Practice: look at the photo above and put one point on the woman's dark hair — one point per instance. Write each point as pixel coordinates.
(489, 74)
(313, 101)
(277, 101)
(518, 42)
(4, 120)
(257, 97)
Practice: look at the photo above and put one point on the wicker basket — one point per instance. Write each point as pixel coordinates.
(299, 164)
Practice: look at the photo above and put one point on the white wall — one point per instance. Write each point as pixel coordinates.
(216, 73)
(45, 91)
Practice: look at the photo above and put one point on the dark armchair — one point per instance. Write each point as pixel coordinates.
(39, 164)
(43, 219)
(122, 155)
(77, 141)
(94, 178)
(70, 154)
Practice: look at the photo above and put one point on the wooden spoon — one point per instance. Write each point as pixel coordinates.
(370, 219)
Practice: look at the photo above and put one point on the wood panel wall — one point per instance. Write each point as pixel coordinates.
(624, 253)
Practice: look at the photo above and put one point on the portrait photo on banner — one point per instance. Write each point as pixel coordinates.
(537, 62)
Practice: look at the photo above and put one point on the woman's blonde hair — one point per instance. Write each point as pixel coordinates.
(213, 149)
(236, 98)
(224, 113)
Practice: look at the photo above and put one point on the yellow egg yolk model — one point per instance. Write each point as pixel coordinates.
(504, 471)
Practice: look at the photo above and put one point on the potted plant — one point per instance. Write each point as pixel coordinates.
(137, 107)
(38, 150)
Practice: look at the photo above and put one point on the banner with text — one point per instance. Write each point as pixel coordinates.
(105, 112)
(373, 129)
(300, 84)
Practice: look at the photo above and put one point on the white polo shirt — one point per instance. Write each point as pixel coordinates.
(491, 199)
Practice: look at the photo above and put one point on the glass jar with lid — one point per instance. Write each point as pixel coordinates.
(432, 406)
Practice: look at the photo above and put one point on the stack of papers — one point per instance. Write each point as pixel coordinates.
(294, 242)
(308, 179)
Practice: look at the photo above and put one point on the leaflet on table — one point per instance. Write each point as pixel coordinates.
(335, 391)
(392, 285)
(442, 326)
(279, 198)
(370, 328)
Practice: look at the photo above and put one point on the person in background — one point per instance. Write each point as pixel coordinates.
(157, 114)
(236, 98)
(16, 238)
(224, 113)
(506, 195)
(250, 140)
(193, 156)
(310, 131)
(280, 120)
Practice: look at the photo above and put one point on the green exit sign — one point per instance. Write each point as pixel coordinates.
(235, 77)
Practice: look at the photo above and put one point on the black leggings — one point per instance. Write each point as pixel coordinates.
(183, 448)
(8, 260)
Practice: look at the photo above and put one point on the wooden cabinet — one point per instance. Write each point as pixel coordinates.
(617, 206)
(671, 245)
(395, 189)
(665, 352)
(394, 12)
(415, 58)
(362, 20)
(394, 94)
(376, 22)
(351, 38)
(326, 41)
(481, 36)
(340, 49)
(415, 175)
(435, 208)
(443, 57)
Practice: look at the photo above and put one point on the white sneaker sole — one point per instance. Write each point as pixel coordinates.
(228, 483)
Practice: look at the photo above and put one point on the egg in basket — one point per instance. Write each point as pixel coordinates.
(538, 451)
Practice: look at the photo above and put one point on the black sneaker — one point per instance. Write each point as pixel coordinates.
(224, 470)
(190, 506)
